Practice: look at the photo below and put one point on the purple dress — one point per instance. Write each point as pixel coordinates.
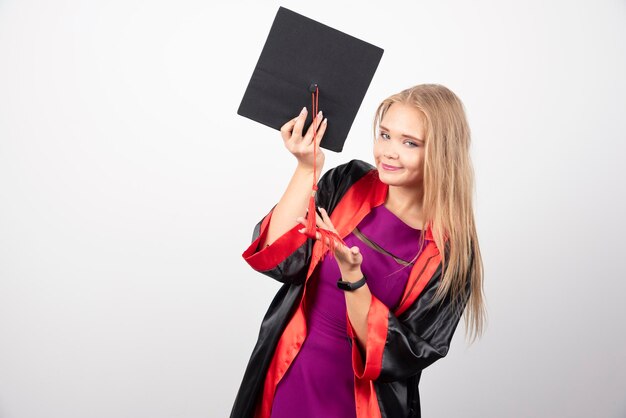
(320, 380)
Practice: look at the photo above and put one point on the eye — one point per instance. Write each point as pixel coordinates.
(385, 135)
(411, 144)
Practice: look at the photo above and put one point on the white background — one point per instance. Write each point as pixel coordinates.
(129, 188)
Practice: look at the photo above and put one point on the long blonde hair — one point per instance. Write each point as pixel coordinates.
(448, 192)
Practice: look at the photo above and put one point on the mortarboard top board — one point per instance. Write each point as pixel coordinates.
(298, 55)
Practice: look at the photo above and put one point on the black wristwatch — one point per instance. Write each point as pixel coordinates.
(350, 286)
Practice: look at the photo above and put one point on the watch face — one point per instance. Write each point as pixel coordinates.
(344, 285)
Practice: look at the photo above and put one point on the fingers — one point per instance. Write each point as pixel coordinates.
(320, 132)
(321, 223)
(285, 130)
(294, 126)
(325, 216)
(346, 256)
(349, 257)
(297, 129)
(318, 236)
(315, 126)
(325, 221)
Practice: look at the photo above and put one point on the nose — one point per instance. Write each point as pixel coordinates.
(389, 152)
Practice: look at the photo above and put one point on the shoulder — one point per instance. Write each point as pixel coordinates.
(348, 173)
(334, 184)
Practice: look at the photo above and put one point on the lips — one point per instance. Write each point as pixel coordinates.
(390, 167)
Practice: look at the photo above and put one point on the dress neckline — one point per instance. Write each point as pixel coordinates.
(396, 217)
(391, 233)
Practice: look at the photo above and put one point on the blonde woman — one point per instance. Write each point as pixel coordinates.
(350, 332)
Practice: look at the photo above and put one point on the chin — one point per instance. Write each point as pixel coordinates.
(390, 179)
(397, 180)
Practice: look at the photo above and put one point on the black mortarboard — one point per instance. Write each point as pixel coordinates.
(298, 55)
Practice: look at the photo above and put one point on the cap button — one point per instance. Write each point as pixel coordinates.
(312, 87)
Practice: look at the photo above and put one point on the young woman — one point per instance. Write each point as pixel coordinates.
(352, 328)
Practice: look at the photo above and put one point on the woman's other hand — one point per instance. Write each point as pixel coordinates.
(348, 259)
(300, 146)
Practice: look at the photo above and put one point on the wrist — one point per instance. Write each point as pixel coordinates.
(351, 286)
(308, 169)
(351, 275)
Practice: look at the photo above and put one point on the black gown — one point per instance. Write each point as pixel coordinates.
(401, 343)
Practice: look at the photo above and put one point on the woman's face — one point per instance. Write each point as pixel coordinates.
(399, 147)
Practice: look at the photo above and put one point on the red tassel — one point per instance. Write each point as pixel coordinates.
(310, 224)
(329, 240)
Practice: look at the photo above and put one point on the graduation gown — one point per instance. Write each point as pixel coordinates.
(400, 343)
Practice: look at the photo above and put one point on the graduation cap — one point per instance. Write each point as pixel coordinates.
(299, 55)
(306, 63)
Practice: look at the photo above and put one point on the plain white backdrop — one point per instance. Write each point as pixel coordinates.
(129, 188)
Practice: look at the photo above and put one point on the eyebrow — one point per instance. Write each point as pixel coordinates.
(404, 135)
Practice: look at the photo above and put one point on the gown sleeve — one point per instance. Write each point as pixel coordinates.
(287, 259)
(400, 347)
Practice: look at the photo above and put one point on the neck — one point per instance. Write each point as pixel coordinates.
(406, 203)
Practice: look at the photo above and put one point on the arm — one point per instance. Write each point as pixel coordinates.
(277, 249)
(294, 202)
(387, 347)
(358, 303)
(287, 258)
(349, 262)
(399, 347)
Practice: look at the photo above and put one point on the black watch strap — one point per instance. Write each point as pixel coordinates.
(350, 286)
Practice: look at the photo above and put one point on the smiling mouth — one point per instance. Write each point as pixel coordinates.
(390, 167)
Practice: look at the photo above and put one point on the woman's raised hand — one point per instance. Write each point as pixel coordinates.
(302, 146)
